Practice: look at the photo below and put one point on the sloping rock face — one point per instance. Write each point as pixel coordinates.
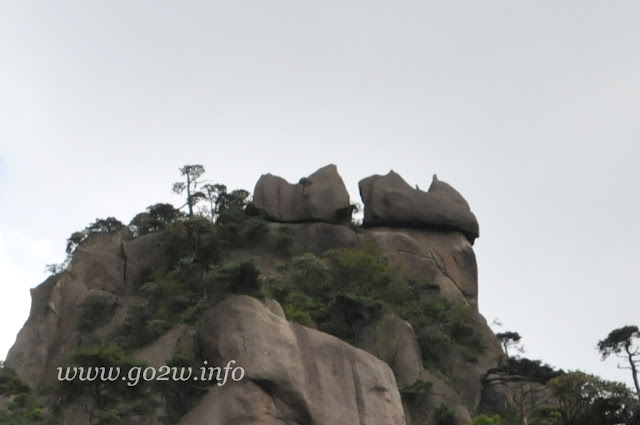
(445, 258)
(105, 262)
(294, 375)
(320, 197)
(390, 201)
(393, 340)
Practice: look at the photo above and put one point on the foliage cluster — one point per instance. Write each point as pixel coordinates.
(181, 396)
(182, 294)
(106, 401)
(444, 415)
(524, 369)
(487, 420)
(418, 390)
(585, 399)
(347, 287)
(101, 225)
(573, 398)
(23, 408)
(97, 308)
(157, 217)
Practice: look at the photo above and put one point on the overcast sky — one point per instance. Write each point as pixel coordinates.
(529, 109)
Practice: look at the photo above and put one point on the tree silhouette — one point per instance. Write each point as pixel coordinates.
(621, 343)
(191, 173)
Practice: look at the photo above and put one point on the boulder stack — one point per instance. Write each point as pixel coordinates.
(321, 197)
(390, 201)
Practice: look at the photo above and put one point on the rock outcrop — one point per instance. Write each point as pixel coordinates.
(293, 374)
(444, 258)
(320, 197)
(107, 262)
(390, 201)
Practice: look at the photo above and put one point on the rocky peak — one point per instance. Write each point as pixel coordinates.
(294, 373)
(390, 201)
(320, 197)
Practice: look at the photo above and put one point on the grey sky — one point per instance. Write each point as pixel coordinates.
(529, 109)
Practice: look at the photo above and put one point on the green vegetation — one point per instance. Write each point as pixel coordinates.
(283, 242)
(182, 294)
(339, 292)
(101, 225)
(348, 287)
(509, 340)
(444, 415)
(191, 175)
(156, 218)
(419, 390)
(621, 342)
(588, 400)
(106, 401)
(96, 309)
(24, 407)
(106, 225)
(486, 420)
(180, 396)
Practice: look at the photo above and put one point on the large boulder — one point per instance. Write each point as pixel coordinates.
(390, 201)
(293, 374)
(392, 339)
(444, 258)
(320, 197)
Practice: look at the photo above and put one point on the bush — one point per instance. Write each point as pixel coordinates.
(312, 275)
(349, 311)
(196, 237)
(104, 399)
(254, 229)
(486, 420)
(297, 315)
(442, 327)
(10, 382)
(417, 390)
(241, 278)
(301, 308)
(360, 271)
(136, 325)
(96, 309)
(284, 241)
(104, 225)
(193, 313)
(182, 396)
(157, 217)
(74, 241)
(444, 415)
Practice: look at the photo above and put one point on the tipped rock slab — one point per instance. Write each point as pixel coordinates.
(390, 201)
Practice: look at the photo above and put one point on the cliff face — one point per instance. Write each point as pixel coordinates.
(293, 374)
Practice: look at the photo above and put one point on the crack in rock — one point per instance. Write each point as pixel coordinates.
(443, 269)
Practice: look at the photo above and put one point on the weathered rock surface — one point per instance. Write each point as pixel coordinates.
(106, 262)
(445, 258)
(317, 237)
(320, 197)
(294, 375)
(393, 340)
(390, 201)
